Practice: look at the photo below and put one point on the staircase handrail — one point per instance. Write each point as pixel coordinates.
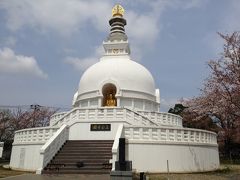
(144, 117)
(115, 146)
(56, 116)
(65, 115)
(50, 148)
(179, 118)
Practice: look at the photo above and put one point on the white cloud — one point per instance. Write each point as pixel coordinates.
(142, 28)
(61, 16)
(68, 16)
(166, 104)
(10, 41)
(82, 64)
(10, 63)
(214, 42)
(230, 22)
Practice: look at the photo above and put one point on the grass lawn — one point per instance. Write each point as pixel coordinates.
(8, 172)
(224, 173)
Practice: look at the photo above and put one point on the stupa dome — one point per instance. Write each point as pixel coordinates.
(124, 73)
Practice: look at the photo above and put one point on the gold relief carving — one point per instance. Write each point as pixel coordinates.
(117, 10)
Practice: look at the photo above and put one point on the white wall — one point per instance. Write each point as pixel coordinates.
(81, 131)
(1, 149)
(139, 104)
(25, 156)
(150, 157)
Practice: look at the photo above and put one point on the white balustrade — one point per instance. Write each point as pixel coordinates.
(34, 135)
(55, 117)
(106, 114)
(162, 118)
(168, 134)
(52, 146)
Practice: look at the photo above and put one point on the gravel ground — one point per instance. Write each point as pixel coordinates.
(226, 172)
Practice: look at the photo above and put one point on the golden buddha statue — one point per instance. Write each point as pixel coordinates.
(111, 101)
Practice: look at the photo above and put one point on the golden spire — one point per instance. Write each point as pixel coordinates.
(117, 10)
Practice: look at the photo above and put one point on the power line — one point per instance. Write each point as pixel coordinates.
(32, 106)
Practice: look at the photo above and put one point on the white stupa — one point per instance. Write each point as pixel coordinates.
(116, 98)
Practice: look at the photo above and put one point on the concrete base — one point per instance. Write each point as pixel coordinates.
(121, 175)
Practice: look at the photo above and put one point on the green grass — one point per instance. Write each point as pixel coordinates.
(8, 172)
(226, 171)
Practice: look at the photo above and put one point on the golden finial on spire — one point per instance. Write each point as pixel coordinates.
(117, 10)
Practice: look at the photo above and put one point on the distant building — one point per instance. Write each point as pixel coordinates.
(116, 98)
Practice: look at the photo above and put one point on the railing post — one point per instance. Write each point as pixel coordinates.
(182, 134)
(150, 133)
(131, 133)
(141, 133)
(194, 136)
(175, 134)
(125, 114)
(167, 134)
(114, 113)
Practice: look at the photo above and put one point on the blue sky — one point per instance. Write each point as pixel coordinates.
(45, 46)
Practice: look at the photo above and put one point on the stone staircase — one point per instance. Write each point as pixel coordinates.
(82, 157)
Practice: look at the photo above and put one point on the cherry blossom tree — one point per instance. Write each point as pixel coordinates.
(13, 120)
(218, 106)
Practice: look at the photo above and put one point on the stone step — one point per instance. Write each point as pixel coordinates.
(101, 153)
(76, 160)
(89, 142)
(81, 157)
(77, 171)
(95, 156)
(73, 164)
(90, 151)
(87, 147)
(80, 146)
(85, 167)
